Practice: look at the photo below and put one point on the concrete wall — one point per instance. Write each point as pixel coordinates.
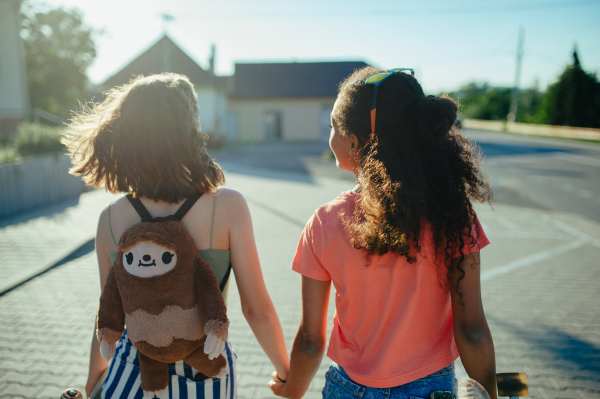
(301, 119)
(37, 181)
(13, 80)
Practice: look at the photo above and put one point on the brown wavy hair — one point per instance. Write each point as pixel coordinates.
(417, 168)
(144, 139)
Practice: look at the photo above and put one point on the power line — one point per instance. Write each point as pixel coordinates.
(392, 12)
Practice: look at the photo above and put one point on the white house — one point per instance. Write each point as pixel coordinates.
(285, 101)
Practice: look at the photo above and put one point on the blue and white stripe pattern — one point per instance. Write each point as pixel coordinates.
(123, 377)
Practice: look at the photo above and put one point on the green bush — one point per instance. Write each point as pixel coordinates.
(8, 155)
(480, 101)
(33, 138)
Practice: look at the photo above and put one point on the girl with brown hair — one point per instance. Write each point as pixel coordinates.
(145, 140)
(401, 249)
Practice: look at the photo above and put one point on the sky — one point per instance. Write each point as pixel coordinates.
(448, 43)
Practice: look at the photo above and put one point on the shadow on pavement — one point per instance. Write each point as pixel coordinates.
(278, 160)
(556, 348)
(497, 149)
(83, 250)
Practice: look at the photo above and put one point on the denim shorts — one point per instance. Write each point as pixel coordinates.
(339, 385)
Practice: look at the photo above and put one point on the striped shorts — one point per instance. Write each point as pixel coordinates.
(123, 377)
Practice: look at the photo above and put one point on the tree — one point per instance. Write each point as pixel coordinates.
(58, 50)
(574, 100)
(481, 101)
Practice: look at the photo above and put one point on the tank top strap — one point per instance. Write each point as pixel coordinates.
(212, 223)
(109, 226)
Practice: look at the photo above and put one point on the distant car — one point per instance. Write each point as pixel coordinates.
(458, 123)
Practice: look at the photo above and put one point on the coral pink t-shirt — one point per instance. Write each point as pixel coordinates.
(393, 320)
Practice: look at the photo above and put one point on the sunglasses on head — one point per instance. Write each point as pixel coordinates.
(376, 80)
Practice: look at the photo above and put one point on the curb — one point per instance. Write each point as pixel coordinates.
(530, 129)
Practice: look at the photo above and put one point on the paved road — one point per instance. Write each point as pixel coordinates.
(541, 173)
(540, 275)
(550, 174)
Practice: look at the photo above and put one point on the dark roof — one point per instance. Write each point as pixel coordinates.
(162, 56)
(296, 79)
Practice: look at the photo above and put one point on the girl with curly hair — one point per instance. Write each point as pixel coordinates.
(401, 249)
(144, 140)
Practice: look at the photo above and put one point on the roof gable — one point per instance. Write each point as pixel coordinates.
(306, 79)
(162, 56)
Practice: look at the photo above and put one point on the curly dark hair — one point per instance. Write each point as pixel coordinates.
(144, 139)
(416, 169)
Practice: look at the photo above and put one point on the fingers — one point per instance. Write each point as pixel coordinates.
(209, 345)
(107, 350)
(275, 385)
(218, 348)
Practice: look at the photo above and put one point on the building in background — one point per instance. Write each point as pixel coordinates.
(166, 56)
(284, 101)
(14, 98)
(260, 102)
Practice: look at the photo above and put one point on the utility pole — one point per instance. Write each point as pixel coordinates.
(514, 101)
(214, 87)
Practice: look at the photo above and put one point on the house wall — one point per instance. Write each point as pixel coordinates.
(14, 99)
(213, 108)
(301, 119)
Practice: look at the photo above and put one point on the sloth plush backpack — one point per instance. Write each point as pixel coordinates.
(167, 295)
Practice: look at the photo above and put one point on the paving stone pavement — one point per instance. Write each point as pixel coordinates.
(31, 240)
(539, 282)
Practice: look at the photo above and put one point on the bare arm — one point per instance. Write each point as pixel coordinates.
(471, 332)
(310, 342)
(257, 306)
(97, 364)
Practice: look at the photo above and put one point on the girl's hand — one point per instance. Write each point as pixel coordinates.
(276, 385)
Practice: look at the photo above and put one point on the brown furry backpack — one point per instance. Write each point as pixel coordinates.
(168, 297)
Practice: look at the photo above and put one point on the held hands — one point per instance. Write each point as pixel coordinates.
(213, 346)
(277, 385)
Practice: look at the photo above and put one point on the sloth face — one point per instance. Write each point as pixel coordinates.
(148, 259)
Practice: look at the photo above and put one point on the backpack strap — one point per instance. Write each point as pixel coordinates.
(139, 208)
(225, 278)
(146, 217)
(187, 205)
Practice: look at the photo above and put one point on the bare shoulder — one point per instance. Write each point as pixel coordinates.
(231, 200)
(109, 216)
(103, 230)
